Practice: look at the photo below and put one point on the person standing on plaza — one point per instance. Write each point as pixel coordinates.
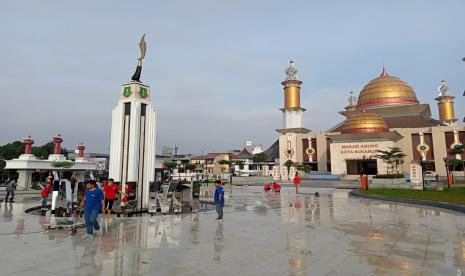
(10, 190)
(296, 182)
(109, 190)
(219, 200)
(45, 192)
(92, 203)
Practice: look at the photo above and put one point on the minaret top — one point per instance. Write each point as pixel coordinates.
(352, 100)
(443, 89)
(384, 73)
(291, 71)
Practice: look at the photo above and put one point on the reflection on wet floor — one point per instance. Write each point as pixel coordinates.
(263, 234)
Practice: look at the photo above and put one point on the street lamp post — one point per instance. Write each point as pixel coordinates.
(179, 169)
(422, 172)
(447, 171)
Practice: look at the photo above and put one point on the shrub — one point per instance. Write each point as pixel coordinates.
(389, 176)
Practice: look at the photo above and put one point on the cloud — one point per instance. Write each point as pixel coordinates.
(214, 67)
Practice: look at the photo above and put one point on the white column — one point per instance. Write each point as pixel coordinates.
(134, 132)
(116, 142)
(24, 180)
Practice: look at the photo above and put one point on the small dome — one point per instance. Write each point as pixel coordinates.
(364, 122)
(386, 90)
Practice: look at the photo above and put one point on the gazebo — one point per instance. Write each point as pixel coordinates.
(27, 163)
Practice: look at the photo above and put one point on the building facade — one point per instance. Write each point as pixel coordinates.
(386, 114)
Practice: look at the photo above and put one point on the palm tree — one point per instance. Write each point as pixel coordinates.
(190, 167)
(170, 166)
(392, 157)
(304, 168)
(239, 163)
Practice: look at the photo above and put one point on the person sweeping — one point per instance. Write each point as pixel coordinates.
(44, 194)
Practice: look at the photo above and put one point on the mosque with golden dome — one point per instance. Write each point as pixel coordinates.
(386, 114)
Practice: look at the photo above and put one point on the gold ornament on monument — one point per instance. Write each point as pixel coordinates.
(143, 49)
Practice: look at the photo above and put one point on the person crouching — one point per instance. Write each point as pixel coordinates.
(276, 187)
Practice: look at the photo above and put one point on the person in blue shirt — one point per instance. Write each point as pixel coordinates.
(92, 202)
(219, 200)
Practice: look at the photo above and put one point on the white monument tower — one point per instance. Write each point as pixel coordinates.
(133, 136)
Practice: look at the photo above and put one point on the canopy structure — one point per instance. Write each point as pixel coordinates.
(27, 163)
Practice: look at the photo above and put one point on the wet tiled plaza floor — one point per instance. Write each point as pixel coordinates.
(263, 234)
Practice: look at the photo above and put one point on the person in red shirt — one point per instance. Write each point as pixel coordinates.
(267, 187)
(45, 192)
(109, 191)
(297, 182)
(276, 187)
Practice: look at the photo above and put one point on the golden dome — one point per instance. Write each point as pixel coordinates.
(386, 90)
(364, 122)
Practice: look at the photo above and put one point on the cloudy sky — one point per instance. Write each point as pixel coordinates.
(214, 67)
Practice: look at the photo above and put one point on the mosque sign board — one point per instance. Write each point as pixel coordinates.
(415, 175)
(356, 150)
(359, 148)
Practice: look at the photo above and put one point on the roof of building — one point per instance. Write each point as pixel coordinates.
(411, 122)
(215, 154)
(364, 122)
(199, 157)
(380, 136)
(402, 122)
(386, 90)
(244, 154)
(272, 152)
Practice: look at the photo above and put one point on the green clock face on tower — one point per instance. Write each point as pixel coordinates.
(143, 92)
(127, 91)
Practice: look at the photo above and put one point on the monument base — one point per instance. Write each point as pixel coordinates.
(56, 157)
(27, 157)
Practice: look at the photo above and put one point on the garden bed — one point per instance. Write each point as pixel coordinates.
(452, 195)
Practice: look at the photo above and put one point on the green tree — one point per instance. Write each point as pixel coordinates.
(8, 152)
(393, 157)
(288, 164)
(62, 165)
(239, 163)
(304, 168)
(190, 166)
(44, 151)
(260, 158)
(457, 151)
(169, 165)
(15, 149)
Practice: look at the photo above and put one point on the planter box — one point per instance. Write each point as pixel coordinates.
(392, 183)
